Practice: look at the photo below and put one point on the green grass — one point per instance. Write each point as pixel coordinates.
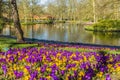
(6, 43)
(73, 49)
(5, 47)
(4, 40)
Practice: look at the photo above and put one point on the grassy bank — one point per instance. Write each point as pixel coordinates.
(6, 43)
(11, 43)
(105, 26)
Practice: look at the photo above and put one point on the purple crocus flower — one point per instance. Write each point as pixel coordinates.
(70, 65)
(11, 58)
(43, 68)
(71, 77)
(4, 68)
(20, 58)
(2, 60)
(117, 58)
(108, 77)
(102, 68)
(62, 72)
(54, 77)
(43, 79)
(89, 74)
(54, 67)
(83, 66)
(18, 74)
(75, 73)
(48, 58)
(28, 68)
(24, 50)
(33, 75)
(87, 77)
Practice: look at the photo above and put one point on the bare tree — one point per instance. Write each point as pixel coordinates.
(19, 32)
(116, 8)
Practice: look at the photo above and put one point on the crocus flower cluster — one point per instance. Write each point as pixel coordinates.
(54, 62)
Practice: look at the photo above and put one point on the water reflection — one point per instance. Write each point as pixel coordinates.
(6, 30)
(111, 38)
(67, 33)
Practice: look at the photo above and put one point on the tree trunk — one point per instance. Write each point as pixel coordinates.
(116, 9)
(17, 25)
(0, 8)
(94, 11)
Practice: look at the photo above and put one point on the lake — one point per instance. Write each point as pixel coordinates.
(66, 32)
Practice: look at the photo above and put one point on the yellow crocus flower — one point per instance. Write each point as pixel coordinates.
(48, 77)
(100, 74)
(81, 73)
(26, 78)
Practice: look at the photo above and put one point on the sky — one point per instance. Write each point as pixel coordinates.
(43, 1)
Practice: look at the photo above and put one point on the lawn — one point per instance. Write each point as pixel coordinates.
(6, 43)
(45, 61)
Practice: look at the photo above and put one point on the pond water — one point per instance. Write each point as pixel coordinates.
(66, 33)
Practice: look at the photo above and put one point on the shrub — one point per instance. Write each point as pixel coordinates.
(106, 25)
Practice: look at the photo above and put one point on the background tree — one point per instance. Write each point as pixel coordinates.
(24, 10)
(77, 10)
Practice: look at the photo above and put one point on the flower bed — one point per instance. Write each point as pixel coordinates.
(53, 62)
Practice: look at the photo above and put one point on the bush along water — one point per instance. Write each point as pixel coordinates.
(39, 22)
(58, 64)
(105, 25)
